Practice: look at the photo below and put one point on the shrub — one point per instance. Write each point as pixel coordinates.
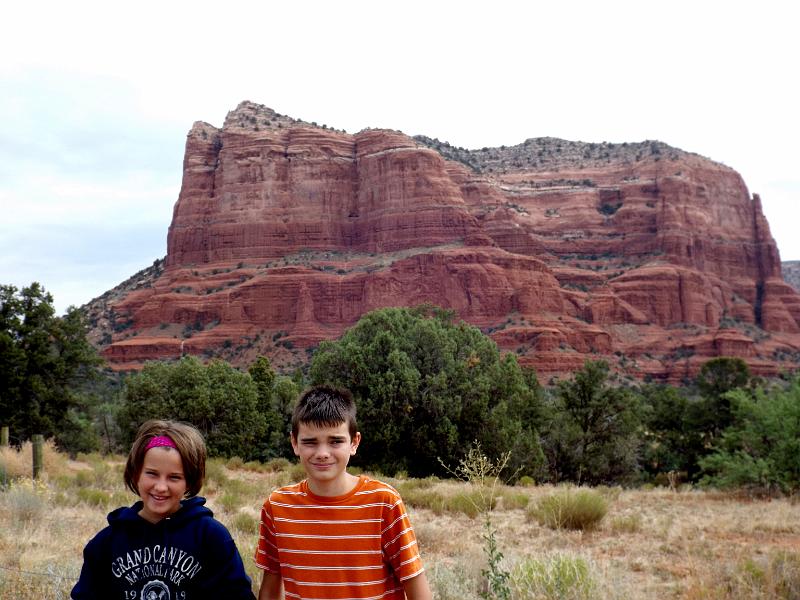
(230, 501)
(93, 497)
(453, 582)
(511, 499)
(420, 498)
(234, 463)
(246, 523)
(26, 501)
(627, 524)
(296, 472)
(215, 471)
(469, 502)
(581, 509)
(609, 209)
(560, 577)
(610, 493)
(255, 466)
(278, 464)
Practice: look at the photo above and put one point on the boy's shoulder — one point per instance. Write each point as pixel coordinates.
(378, 487)
(367, 489)
(286, 492)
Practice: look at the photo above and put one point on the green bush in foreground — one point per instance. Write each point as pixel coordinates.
(570, 509)
(560, 577)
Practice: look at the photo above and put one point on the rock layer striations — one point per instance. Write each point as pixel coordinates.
(285, 233)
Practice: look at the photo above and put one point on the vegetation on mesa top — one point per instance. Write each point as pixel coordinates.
(551, 154)
(427, 387)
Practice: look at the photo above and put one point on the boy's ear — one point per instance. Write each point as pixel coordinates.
(355, 442)
(294, 444)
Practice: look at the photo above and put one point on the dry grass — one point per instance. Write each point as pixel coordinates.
(657, 543)
(19, 463)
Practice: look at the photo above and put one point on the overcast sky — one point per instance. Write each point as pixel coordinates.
(96, 100)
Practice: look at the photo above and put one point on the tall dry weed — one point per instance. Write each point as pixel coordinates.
(19, 462)
(52, 583)
(453, 582)
(557, 577)
(776, 577)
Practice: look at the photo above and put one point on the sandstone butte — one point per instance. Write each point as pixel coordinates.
(285, 233)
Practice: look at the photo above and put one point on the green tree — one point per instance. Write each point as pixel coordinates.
(44, 362)
(593, 435)
(761, 450)
(427, 388)
(276, 398)
(666, 429)
(720, 375)
(710, 414)
(222, 402)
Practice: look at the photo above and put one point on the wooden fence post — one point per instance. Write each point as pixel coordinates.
(3, 444)
(38, 454)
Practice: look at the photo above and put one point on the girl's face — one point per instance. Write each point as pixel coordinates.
(161, 483)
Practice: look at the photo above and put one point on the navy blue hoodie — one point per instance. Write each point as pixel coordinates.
(186, 556)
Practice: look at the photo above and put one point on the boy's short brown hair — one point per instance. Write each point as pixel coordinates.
(188, 442)
(325, 406)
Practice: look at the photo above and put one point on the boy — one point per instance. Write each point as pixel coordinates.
(335, 535)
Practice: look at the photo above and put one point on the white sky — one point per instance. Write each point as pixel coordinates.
(96, 99)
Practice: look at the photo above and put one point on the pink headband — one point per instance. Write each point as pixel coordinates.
(160, 441)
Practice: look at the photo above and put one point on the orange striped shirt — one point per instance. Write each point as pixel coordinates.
(358, 546)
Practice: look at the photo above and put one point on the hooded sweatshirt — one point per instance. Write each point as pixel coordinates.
(186, 556)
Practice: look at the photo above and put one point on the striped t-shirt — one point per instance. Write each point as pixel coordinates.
(356, 546)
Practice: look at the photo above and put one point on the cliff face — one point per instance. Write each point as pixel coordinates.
(285, 233)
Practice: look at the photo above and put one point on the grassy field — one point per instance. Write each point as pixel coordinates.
(645, 543)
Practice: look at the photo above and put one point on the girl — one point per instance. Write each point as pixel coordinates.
(167, 546)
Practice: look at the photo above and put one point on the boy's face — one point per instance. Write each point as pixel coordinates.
(324, 453)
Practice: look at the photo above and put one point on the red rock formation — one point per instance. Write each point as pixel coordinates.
(284, 234)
